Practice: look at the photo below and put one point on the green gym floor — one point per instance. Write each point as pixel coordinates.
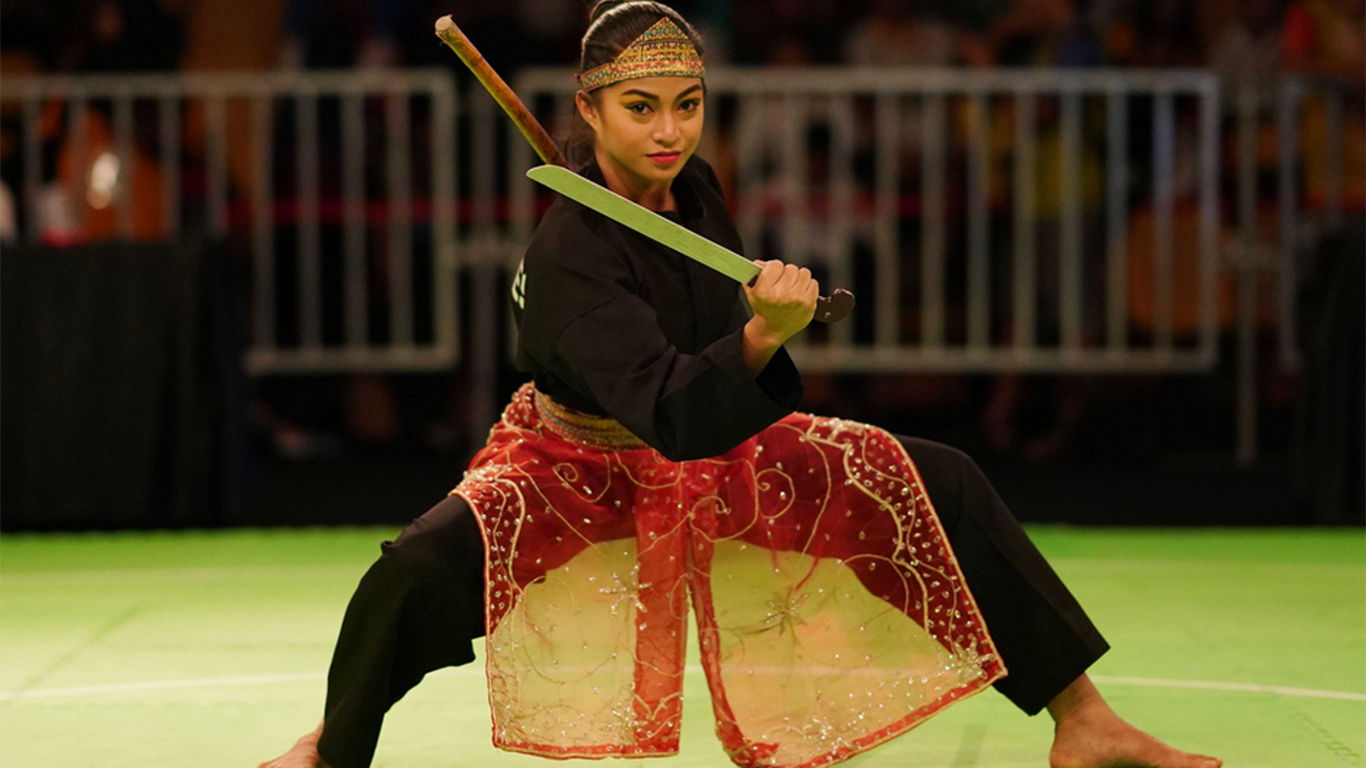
(191, 649)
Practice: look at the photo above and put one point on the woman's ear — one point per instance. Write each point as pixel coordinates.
(587, 109)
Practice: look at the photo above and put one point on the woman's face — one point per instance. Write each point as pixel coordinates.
(647, 128)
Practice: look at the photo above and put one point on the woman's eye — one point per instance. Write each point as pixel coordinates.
(690, 105)
(639, 107)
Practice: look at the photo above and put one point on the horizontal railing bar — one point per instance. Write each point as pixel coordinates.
(223, 84)
(844, 80)
(963, 360)
(341, 359)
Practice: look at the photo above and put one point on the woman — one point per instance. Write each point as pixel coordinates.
(847, 583)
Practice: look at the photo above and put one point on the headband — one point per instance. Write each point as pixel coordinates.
(663, 50)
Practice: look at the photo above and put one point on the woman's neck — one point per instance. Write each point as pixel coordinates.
(655, 196)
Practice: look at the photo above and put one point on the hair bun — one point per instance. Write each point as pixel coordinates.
(601, 7)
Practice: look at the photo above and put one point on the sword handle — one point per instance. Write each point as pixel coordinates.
(829, 309)
(835, 307)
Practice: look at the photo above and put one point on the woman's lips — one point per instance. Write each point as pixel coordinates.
(665, 158)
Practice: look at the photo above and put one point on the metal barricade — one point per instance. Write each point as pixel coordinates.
(988, 221)
(336, 188)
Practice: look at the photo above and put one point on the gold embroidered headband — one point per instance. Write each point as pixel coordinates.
(663, 50)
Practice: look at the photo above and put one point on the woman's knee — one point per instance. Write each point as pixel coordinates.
(944, 469)
(442, 543)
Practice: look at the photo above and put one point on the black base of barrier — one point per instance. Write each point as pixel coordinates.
(122, 399)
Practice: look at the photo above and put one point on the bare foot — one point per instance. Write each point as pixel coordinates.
(1088, 734)
(1103, 740)
(304, 753)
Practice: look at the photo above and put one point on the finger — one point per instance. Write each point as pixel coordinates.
(804, 282)
(773, 271)
(761, 263)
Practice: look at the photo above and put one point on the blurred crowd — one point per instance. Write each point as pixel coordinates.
(1242, 40)
(1236, 37)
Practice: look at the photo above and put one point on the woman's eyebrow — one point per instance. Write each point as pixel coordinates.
(655, 97)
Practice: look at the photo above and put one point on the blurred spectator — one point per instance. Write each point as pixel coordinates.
(788, 31)
(330, 34)
(1166, 34)
(1030, 32)
(1326, 38)
(894, 34)
(8, 230)
(29, 38)
(126, 35)
(1245, 42)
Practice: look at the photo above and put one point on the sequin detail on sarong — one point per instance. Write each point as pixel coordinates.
(832, 615)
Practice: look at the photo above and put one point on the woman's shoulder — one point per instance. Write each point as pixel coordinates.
(570, 229)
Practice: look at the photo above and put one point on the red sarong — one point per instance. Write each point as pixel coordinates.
(831, 613)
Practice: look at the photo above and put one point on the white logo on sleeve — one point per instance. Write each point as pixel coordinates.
(519, 286)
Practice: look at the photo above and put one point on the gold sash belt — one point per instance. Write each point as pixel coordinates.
(585, 428)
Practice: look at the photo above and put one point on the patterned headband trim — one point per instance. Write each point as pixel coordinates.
(663, 50)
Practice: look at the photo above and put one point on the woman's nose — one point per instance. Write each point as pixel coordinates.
(666, 129)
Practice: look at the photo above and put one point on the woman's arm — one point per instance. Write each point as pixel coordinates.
(784, 301)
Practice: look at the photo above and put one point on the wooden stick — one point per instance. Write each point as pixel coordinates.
(454, 39)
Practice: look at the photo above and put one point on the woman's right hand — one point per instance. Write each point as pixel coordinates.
(783, 297)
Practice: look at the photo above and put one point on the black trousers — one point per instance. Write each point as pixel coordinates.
(421, 603)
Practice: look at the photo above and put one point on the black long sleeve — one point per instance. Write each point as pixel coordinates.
(618, 325)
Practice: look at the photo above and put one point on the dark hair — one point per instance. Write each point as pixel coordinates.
(613, 25)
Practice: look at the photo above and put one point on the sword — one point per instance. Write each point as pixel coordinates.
(661, 230)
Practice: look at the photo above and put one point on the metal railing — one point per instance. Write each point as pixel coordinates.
(334, 267)
(993, 221)
(888, 181)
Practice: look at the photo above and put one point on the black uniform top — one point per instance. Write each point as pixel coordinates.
(616, 324)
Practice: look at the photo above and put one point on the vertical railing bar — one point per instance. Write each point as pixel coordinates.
(795, 249)
(1025, 305)
(1246, 358)
(932, 221)
(706, 145)
(263, 225)
(1164, 150)
(749, 181)
(841, 117)
(1209, 220)
(169, 132)
(354, 229)
(216, 160)
(1116, 218)
(82, 160)
(1287, 133)
(979, 268)
(400, 218)
(887, 222)
(486, 307)
(1070, 263)
(123, 150)
(482, 173)
(306, 222)
(33, 168)
(444, 223)
(522, 192)
(565, 107)
(1334, 151)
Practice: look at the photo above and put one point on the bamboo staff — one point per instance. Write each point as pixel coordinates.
(456, 40)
